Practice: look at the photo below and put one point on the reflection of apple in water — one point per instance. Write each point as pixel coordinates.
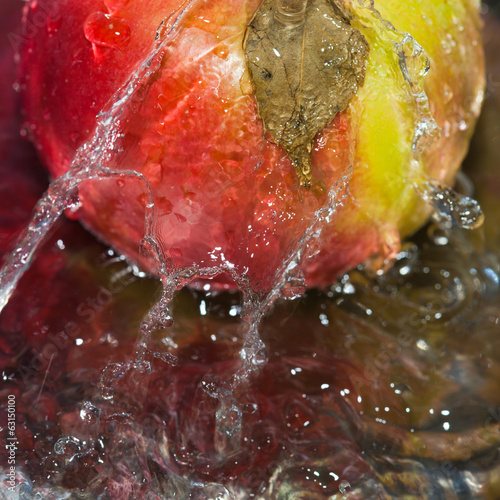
(224, 191)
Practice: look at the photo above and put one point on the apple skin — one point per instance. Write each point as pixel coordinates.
(226, 195)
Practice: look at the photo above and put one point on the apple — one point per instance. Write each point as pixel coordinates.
(226, 194)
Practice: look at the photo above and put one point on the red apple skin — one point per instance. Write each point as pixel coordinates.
(23, 179)
(225, 195)
(68, 85)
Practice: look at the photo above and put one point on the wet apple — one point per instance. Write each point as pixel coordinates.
(230, 191)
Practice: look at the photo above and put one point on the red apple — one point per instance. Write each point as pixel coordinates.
(225, 193)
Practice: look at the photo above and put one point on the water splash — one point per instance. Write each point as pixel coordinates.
(61, 195)
(452, 207)
(335, 398)
(414, 66)
(230, 416)
(93, 161)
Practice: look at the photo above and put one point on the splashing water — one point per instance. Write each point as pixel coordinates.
(340, 407)
(62, 195)
(97, 159)
(452, 207)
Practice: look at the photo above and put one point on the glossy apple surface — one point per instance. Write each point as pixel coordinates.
(225, 194)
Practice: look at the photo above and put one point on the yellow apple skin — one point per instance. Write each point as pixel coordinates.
(384, 205)
(219, 183)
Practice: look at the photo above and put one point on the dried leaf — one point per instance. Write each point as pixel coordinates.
(306, 62)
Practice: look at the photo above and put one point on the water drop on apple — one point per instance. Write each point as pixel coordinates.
(105, 30)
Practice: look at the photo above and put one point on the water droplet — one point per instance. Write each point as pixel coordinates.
(89, 413)
(105, 30)
(143, 200)
(108, 339)
(452, 207)
(158, 317)
(214, 387)
(448, 93)
(68, 446)
(114, 6)
(438, 235)
(344, 487)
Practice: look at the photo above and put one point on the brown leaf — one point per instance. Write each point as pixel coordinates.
(306, 62)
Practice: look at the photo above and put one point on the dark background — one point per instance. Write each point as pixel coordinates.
(494, 5)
